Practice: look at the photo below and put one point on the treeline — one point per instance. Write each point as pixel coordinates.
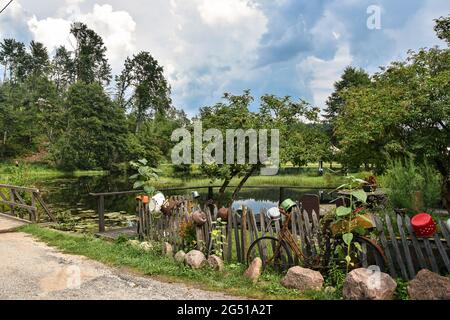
(64, 106)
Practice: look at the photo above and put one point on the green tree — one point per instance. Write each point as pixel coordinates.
(39, 61)
(95, 136)
(15, 60)
(234, 113)
(142, 88)
(91, 64)
(405, 111)
(351, 77)
(63, 69)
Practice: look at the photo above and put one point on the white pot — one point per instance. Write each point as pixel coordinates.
(156, 202)
(448, 225)
(273, 213)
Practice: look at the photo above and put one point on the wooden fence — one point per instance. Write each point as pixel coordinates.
(405, 253)
(14, 197)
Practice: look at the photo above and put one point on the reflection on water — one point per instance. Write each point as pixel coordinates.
(69, 197)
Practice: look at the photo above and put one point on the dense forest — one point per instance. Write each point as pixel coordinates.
(65, 107)
(70, 109)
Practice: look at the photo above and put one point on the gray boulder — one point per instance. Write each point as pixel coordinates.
(368, 284)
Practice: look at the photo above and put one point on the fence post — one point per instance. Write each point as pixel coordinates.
(210, 193)
(281, 195)
(11, 197)
(101, 213)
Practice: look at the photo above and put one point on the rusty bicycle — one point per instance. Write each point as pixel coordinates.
(282, 252)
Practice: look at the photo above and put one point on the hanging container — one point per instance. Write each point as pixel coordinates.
(157, 202)
(423, 225)
(144, 199)
(223, 214)
(199, 218)
(168, 207)
(195, 195)
(273, 214)
(287, 205)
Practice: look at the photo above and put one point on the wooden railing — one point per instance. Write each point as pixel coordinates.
(13, 197)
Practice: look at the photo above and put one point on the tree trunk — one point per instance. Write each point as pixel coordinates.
(243, 181)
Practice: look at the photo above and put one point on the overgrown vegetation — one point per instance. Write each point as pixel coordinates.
(404, 178)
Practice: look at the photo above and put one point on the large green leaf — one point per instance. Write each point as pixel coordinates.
(149, 190)
(138, 184)
(343, 211)
(347, 237)
(360, 195)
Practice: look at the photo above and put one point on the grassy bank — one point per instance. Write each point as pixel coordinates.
(153, 264)
(27, 173)
(294, 180)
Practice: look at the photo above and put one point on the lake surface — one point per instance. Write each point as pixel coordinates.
(69, 198)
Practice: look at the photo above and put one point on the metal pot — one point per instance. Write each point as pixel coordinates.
(195, 195)
(199, 218)
(287, 205)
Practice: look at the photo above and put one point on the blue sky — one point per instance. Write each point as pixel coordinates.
(208, 47)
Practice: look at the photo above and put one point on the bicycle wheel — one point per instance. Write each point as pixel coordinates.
(369, 253)
(274, 254)
(372, 253)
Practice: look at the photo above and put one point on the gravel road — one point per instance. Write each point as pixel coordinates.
(32, 270)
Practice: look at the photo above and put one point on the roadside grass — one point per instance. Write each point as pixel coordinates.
(123, 255)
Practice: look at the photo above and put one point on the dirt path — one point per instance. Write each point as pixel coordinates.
(32, 270)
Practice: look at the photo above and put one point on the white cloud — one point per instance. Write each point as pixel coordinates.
(52, 32)
(418, 29)
(324, 73)
(117, 29)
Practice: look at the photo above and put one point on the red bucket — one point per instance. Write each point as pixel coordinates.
(423, 225)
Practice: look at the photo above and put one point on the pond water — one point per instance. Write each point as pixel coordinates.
(69, 198)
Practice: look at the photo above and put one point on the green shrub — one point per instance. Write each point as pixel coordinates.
(403, 178)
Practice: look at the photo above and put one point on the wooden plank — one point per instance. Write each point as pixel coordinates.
(416, 244)
(256, 233)
(308, 233)
(101, 214)
(250, 226)
(316, 231)
(22, 202)
(8, 186)
(229, 237)
(12, 202)
(3, 196)
(18, 205)
(430, 255)
(409, 261)
(236, 237)
(364, 255)
(398, 254)
(46, 209)
(244, 233)
(442, 252)
(445, 232)
(262, 226)
(301, 231)
(384, 242)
